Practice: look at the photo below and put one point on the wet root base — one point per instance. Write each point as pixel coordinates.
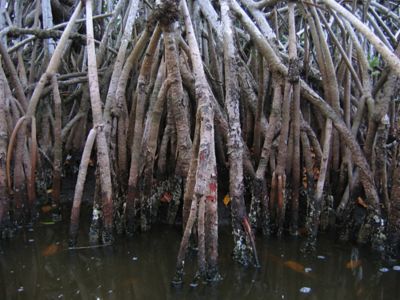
(242, 252)
(7, 229)
(211, 275)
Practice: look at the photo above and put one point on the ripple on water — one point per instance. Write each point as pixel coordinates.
(307, 270)
(383, 270)
(305, 290)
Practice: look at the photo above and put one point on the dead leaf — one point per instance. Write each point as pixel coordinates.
(47, 208)
(51, 250)
(227, 199)
(361, 202)
(352, 264)
(295, 266)
(166, 197)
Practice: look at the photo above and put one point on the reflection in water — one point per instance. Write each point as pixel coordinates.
(38, 265)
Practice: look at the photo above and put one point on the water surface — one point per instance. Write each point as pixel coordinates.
(37, 264)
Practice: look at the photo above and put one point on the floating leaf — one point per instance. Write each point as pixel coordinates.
(45, 209)
(47, 222)
(227, 199)
(51, 250)
(352, 264)
(295, 266)
(302, 231)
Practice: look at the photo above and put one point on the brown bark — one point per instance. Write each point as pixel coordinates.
(80, 183)
(4, 203)
(242, 250)
(133, 202)
(177, 100)
(57, 161)
(101, 143)
(205, 188)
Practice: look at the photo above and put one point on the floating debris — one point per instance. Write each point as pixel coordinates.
(51, 249)
(45, 209)
(31, 240)
(110, 291)
(321, 257)
(166, 197)
(305, 290)
(20, 289)
(352, 264)
(77, 292)
(47, 222)
(396, 268)
(60, 296)
(135, 258)
(307, 270)
(383, 270)
(295, 266)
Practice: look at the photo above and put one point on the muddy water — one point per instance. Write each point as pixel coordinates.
(38, 265)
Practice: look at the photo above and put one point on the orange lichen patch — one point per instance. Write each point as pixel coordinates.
(361, 202)
(166, 197)
(51, 250)
(352, 264)
(305, 182)
(226, 200)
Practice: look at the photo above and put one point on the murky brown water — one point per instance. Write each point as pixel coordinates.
(38, 265)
